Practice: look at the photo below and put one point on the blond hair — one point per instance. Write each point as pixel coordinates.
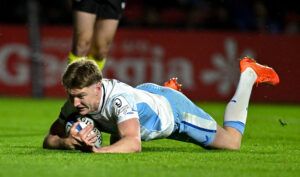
(80, 74)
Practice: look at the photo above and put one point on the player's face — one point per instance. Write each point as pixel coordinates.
(86, 100)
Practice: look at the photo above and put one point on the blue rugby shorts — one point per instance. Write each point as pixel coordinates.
(192, 124)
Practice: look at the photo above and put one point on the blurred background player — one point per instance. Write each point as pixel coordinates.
(94, 27)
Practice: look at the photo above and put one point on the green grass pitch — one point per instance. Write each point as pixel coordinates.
(271, 147)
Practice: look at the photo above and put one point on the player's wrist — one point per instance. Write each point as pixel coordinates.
(99, 149)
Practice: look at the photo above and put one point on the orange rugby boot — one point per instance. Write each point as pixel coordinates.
(172, 83)
(264, 73)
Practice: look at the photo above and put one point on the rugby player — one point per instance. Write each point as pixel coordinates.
(94, 27)
(148, 112)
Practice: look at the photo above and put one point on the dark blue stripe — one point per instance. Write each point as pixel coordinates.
(199, 128)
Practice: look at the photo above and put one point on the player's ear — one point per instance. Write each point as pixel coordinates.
(98, 87)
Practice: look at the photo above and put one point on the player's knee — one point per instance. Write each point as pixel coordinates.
(234, 146)
(103, 48)
(102, 52)
(82, 47)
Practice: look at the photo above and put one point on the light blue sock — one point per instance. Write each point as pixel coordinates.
(239, 126)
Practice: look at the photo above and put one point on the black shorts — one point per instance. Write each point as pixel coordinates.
(105, 9)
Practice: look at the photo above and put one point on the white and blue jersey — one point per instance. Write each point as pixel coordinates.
(161, 111)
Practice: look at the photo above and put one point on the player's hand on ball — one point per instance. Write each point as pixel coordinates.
(88, 136)
(85, 138)
(83, 134)
(74, 134)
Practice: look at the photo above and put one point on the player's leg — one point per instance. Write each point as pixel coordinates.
(192, 124)
(103, 37)
(235, 116)
(83, 32)
(83, 28)
(108, 16)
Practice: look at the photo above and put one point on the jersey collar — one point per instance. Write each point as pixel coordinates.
(101, 102)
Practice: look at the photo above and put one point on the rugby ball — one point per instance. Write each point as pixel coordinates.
(84, 121)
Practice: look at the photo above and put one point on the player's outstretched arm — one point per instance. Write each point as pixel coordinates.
(130, 139)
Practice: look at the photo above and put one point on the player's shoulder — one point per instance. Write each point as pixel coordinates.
(113, 82)
(114, 87)
(118, 94)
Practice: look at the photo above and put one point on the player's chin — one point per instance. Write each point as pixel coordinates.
(83, 111)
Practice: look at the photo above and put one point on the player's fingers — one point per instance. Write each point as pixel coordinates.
(74, 134)
(92, 136)
(73, 129)
(93, 140)
(86, 130)
(84, 133)
(90, 142)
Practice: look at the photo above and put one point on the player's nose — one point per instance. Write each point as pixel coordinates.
(76, 102)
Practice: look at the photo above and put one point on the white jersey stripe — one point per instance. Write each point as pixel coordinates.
(199, 122)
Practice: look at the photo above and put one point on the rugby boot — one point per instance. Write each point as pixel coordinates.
(264, 73)
(172, 83)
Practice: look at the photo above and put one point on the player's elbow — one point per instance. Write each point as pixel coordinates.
(137, 145)
(46, 142)
(138, 149)
(55, 142)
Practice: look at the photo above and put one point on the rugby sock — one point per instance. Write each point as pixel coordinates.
(236, 110)
(72, 57)
(100, 62)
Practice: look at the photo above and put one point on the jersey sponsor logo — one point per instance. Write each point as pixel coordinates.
(130, 112)
(122, 107)
(124, 110)
(118, 102)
